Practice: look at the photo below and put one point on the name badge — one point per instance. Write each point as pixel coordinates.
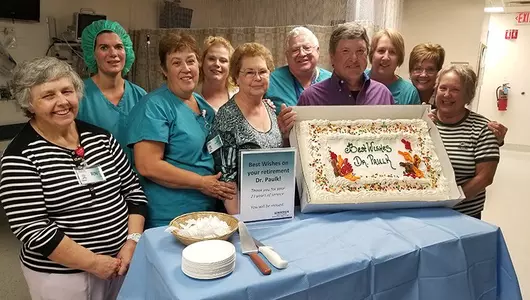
(214, 144)
(89, 175)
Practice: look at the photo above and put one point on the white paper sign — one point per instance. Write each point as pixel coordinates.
(267, 188)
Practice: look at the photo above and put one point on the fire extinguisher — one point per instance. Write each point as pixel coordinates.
(502, 96)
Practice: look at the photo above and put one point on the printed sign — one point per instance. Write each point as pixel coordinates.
(267, 188)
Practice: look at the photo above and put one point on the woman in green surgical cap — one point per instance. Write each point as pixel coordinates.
(109, 55)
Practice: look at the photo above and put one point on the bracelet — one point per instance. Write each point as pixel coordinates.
(134, 236)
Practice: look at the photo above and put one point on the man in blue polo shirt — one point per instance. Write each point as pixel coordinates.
(288, 82)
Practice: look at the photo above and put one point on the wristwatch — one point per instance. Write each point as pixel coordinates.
(134, 236)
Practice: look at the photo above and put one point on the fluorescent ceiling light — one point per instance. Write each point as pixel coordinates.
(495, 9)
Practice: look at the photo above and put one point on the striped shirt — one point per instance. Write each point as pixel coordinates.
(44, 201)
(468, 143)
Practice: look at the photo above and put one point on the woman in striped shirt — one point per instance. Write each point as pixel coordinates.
(472, 147)
(424, 63)
(68, 191)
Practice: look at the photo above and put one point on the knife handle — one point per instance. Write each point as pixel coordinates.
(262, 266)
(274, 258)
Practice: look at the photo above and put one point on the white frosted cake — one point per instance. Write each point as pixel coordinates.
(365, 161)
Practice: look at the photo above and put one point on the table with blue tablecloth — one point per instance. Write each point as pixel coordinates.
(412, 254)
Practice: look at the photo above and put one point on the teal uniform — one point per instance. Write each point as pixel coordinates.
(404, 92)
(162, 117)
(95, 109)
(284, 88)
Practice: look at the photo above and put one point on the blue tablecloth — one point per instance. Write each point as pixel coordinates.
(427, 254)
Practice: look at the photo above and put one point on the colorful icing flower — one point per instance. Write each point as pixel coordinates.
(333, 155)
(342, 167)
(406, 156)
(407, 144)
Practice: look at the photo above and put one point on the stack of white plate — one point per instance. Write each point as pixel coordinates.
(209, 259)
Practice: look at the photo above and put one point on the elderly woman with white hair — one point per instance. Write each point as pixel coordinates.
(68, 191)
(472, 147)
(287, 83)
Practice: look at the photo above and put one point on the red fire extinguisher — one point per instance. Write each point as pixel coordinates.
(502, 96)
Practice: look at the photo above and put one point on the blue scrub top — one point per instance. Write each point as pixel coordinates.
(97, 110)
(285, 89)
(162, 117)
(404, 92)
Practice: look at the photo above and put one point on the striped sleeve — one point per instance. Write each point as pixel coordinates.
(487, 148)
(22, 197)
(130, 185)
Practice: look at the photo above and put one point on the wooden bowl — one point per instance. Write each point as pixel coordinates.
(230, 221)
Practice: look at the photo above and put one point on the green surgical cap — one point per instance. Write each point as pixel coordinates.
(88, 42)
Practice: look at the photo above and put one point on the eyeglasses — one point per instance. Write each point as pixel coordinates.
(251, 74)
(428, 71)
(308, 49)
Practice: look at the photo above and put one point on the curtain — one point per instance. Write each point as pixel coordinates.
(236, 21)
(146, 69)
(263, 13)
(375, 14)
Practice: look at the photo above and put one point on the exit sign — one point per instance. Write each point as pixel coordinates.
(523, 17)
(511, 34)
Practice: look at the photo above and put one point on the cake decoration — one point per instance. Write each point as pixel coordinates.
(370, 161)
(342, 167)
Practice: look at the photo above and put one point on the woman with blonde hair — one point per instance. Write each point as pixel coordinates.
(216, 87)
(387, 53)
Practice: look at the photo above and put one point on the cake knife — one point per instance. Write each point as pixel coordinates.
(249, 248)
(272, 256)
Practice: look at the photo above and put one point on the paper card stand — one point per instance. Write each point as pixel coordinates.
(267, 184)
(372, 112)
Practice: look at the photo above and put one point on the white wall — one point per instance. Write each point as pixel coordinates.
(454, 24)
(508, 61)
(33, 40)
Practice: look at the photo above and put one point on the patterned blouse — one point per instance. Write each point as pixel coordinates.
(236, 134)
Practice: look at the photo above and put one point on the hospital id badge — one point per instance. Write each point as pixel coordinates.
(89, 175)
(214, 144)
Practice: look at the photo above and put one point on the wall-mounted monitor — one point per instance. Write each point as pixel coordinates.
(82, 20)
(25, 10)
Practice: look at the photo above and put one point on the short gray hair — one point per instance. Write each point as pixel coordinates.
(468, 79)
(347, 31)
(38, 71)
(300, 30)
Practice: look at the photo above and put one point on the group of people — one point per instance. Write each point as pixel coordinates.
(100, 160)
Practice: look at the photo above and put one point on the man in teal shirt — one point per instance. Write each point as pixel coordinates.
(387, 52)
(288, 82)
(108, 98)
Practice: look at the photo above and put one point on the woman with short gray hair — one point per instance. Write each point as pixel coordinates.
(68, 191)
(472, 148)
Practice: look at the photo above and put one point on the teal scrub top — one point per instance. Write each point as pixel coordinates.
(404, 92)
(95, 109)
(162, 117)
(285, 89)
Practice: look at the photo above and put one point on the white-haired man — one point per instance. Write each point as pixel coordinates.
(288, 82)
